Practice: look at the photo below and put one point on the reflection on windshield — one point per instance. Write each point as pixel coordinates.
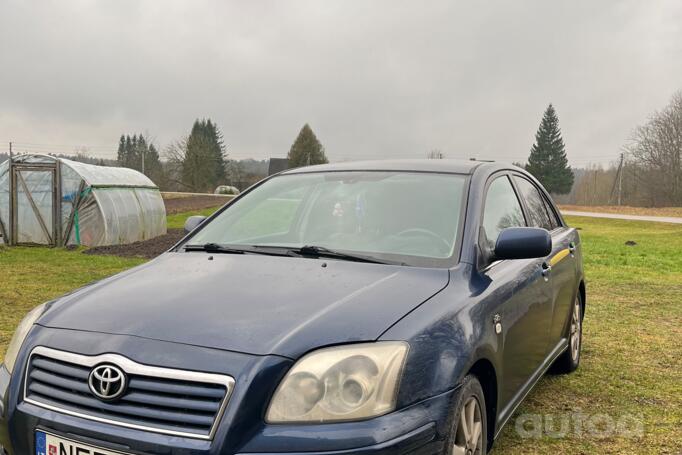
(375, 213)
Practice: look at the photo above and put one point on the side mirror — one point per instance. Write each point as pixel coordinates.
(193, 222)
(523, 243)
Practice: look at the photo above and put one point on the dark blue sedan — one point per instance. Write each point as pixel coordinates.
(363, 308)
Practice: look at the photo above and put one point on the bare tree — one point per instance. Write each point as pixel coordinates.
(656, 147)
(175, 155)
(592, 186)
(235, 173)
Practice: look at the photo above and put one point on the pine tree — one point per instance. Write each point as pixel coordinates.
(216, 153)
(132, 150)
(152, 166)
(121, 156)
(547, 160)
(203, 167)
(306, 150)
(127, 162)
(139, 149)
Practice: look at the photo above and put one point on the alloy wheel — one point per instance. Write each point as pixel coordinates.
(469, 436)
(576, 329)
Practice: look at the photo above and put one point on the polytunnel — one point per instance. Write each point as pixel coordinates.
(46, 200)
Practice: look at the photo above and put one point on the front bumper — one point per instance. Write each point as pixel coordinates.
(419, 428)
(420, 441)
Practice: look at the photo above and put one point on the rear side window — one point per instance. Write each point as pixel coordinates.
(552, 215)
(537, 211)
(502, 209)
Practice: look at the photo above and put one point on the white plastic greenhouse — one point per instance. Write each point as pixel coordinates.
(53, 201)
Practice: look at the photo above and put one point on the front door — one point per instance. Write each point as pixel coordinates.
(34, 218)
(561, 260)
(524, 291)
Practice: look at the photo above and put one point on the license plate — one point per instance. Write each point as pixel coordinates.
(48, 444)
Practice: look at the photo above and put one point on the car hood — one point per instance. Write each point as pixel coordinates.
(247, 303)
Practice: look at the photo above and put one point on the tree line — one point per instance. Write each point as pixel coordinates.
(649, 173)
(654, 157)
(547, 160)
(199, 162)
(139, 153)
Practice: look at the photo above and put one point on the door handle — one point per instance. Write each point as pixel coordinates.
(546, 269)
(571, 248)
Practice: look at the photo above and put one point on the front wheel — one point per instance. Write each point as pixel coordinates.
(469, 429)
(569, 361)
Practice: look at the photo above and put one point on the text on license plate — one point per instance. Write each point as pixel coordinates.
(47, 444)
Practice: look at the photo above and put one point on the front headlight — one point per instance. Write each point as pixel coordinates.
(342, 383)
(20, 335)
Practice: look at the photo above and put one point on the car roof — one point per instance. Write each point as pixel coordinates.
(415, 165)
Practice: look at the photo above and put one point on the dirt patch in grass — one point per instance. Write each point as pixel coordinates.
(147, 249)
(625, 210)
(193, 203)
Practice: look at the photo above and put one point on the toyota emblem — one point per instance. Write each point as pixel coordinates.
(107, 382)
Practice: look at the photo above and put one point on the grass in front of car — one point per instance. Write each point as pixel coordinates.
(30, 276)
(632, 356)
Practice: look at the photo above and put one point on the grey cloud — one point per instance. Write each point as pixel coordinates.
(375, 79)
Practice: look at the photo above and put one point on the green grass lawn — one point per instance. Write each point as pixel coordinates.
(632, 352)
(632, 349)
(30, 276)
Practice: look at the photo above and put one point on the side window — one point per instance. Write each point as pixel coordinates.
(502, 209)
(552, 216)
(535, 203)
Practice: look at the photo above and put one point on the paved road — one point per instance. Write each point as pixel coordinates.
(618, 216)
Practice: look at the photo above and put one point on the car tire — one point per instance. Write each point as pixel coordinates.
(468, 420)
(569, 361)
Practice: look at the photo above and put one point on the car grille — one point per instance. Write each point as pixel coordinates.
(176, 402)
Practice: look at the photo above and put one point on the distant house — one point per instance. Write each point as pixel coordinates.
(278, 165)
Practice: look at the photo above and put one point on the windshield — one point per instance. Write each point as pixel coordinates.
(410, 217)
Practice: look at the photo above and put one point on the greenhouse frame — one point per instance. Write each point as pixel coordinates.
(45, 200)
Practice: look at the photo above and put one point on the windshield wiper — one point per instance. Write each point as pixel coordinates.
(322, 252)
(214, 248)
(307, 250)
(233, 249)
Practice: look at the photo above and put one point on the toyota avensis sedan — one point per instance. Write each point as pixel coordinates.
(366, 308)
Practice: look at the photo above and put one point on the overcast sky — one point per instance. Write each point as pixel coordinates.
(375, 79)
